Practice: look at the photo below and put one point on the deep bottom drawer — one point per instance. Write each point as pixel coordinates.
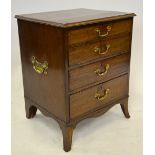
(98, 96)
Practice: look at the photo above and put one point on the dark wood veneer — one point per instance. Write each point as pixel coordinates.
(45, 43)
(118, 90)
(75, 17)
(79, 77)
(63, 44)
(89, 32)
(86, 53)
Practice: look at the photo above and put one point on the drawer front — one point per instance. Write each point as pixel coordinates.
(99, 49)
(98, 96)
(99, 31)
(102, 70)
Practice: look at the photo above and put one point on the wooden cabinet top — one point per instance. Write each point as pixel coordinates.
(74, 17)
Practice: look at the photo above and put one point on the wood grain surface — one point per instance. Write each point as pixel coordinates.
(88, 33)
(66, 40)
(85, 101)
(86, 52)
(85, 75)
(46, 44)
(74, 17)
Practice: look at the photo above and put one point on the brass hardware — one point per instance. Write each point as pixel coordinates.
(100, 50)
(103, 35)
(100, 97)
(99, 73)
(40, 68)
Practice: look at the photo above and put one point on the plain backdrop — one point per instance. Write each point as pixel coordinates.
(22, 133)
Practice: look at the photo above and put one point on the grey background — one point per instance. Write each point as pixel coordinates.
(42, 135)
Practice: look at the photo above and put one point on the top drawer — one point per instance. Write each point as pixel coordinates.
(99, 31)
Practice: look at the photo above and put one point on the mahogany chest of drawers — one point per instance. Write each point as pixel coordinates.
(75, 64)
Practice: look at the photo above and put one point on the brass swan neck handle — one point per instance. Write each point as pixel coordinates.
(105, 34)
(40, 68)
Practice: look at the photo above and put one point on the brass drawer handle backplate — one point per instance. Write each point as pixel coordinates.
(100, 97)
(40, 68)
(105, 34)
(100, 50)
(100, 73)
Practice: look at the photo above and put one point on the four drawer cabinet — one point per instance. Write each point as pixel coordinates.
(75, 64)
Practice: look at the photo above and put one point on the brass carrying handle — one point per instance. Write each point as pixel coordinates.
(40, 68)
(100, 50)
(99, 73)
(103, 35)
(100, 97)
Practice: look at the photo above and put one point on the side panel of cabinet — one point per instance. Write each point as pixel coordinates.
(45, 43)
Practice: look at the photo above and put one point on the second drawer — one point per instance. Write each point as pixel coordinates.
(99, 49)
(99, 71)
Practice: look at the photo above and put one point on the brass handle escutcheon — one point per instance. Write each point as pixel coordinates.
(100, 73)
(100, 50)
(40, 68)
(103, 35)
(100, 97)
